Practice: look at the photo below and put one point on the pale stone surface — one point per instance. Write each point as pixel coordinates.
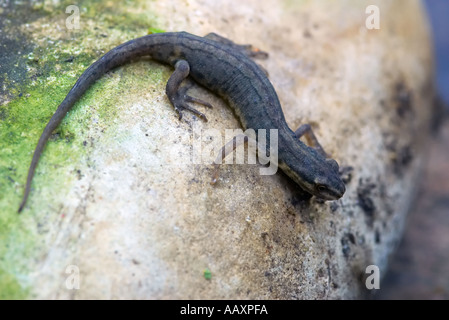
(140, 222)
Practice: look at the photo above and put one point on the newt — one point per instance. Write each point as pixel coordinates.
(228, 70)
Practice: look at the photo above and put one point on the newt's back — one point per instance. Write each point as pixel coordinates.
(231, 74)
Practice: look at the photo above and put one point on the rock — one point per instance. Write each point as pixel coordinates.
(118, 204)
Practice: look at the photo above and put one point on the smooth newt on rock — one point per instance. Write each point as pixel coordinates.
(227, 69)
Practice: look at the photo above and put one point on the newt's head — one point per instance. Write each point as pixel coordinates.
(313, 173)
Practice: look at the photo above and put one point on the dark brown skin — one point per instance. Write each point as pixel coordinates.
(226, 69)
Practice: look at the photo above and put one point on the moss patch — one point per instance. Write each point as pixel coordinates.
(34, 82)
(10, 288)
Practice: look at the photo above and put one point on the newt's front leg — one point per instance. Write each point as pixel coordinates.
(306, 131)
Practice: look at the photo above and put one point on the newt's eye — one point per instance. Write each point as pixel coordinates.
(321, 188)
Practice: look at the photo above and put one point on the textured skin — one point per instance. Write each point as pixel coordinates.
(231, 74)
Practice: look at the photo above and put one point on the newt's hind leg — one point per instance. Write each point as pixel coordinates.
(178, 95)
(246, 49)
(306, 131)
